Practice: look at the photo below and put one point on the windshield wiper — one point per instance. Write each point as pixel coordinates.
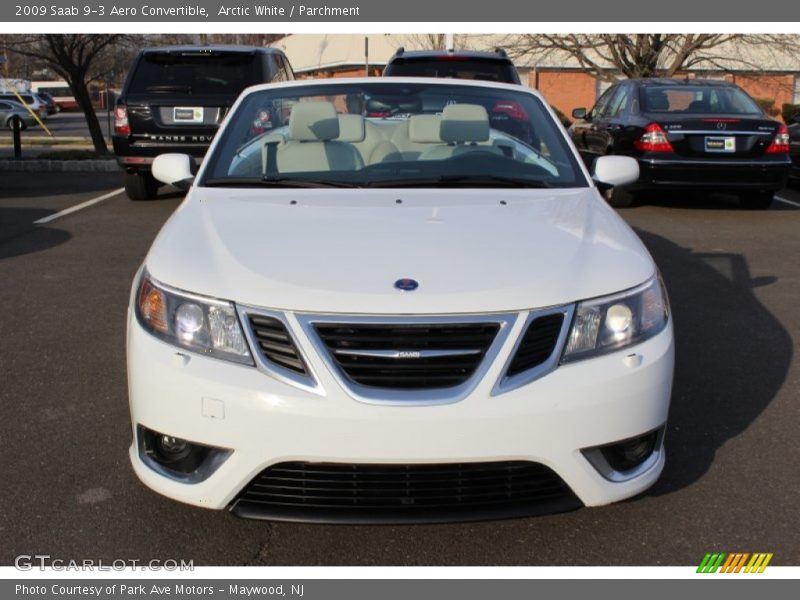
(276, 182)
(465, 180)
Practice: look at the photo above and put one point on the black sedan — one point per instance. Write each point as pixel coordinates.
(687, 134)
(794, 150)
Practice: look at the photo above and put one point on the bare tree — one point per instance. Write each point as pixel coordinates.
(654, 54)
(78, 58)
(432, 41)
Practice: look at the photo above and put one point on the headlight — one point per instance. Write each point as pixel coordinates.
(614, 322)
(203, 325)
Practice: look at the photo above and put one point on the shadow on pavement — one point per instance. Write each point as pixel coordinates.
(19, 184)
(732, 355)
(18, 234)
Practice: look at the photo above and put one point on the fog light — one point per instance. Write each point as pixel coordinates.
(177, 458)
(621, 460)
(629, 454)
(173, 448)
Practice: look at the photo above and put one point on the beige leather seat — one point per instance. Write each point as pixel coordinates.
(366, 138)
(311, 142)
(464, 128)
(416, 135)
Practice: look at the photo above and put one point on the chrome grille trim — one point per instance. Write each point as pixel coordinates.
(505, 383)
(398, 397)
(308, 382)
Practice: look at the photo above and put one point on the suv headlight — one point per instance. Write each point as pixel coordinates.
(614, 322)
(200, 324)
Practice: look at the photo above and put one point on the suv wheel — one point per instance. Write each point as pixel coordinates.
(756, 200)
(140, 186)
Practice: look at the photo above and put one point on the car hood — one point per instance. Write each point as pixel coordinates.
(342, 250)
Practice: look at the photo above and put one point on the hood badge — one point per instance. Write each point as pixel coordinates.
(406, 285)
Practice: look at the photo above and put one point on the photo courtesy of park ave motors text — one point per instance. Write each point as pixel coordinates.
(400, 299)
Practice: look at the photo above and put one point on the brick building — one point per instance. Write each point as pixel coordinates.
(559, 78)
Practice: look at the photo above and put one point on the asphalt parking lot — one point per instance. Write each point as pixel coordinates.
(731, 482)
(68, 124)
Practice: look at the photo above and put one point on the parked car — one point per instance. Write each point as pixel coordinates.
(794, 149)
(687, 134)
(50, 102)
(34, 101)
(174, 99)
(9, 109)
(414, 317)
(460, 64)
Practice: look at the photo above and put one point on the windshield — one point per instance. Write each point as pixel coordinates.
(392, 134)
(697, 99)
(194, 72)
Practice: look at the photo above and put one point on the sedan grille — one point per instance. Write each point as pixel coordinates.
(408, 357)
(537, 344)
(404, 492)
(275, 343)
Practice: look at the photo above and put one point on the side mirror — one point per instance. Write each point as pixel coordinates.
(174, 169)
(614, 171)
(580, 113)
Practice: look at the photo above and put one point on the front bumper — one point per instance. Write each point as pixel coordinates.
(719, 175)
(264, 421)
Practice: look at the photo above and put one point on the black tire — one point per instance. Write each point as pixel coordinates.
(756, 200)
(10, 124)
(141, 186)
(619, 197)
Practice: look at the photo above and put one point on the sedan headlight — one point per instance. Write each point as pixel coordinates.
(204, 325)
(614, 322)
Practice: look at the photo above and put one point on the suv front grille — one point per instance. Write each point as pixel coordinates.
(406, 356)
(403, 492)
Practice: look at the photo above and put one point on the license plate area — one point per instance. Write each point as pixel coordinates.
(724, 144)
(187, 114)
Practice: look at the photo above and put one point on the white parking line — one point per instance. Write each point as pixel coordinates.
(785, 201)
(77, 207)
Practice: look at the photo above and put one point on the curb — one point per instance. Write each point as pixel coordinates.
(57, 166)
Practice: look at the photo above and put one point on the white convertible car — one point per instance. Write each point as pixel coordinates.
(396, 301)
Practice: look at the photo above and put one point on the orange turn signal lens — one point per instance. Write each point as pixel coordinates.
(153, 306)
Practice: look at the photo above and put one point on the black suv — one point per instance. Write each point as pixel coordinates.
(174, 99)
(452, 64)
(687, 135)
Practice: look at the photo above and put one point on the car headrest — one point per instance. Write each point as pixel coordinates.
(313, 121)
(351, 128)
(424, 129)
(657, 101)
(462, 123)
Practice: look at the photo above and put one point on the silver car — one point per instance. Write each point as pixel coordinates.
(8, 109)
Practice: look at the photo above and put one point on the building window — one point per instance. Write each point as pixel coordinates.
(797, 89)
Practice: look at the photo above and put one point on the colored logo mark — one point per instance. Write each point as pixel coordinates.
(735, 562)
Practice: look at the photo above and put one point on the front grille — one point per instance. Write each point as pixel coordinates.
(275, 343)
(408, 357)
(537, 344)
(307, 491)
